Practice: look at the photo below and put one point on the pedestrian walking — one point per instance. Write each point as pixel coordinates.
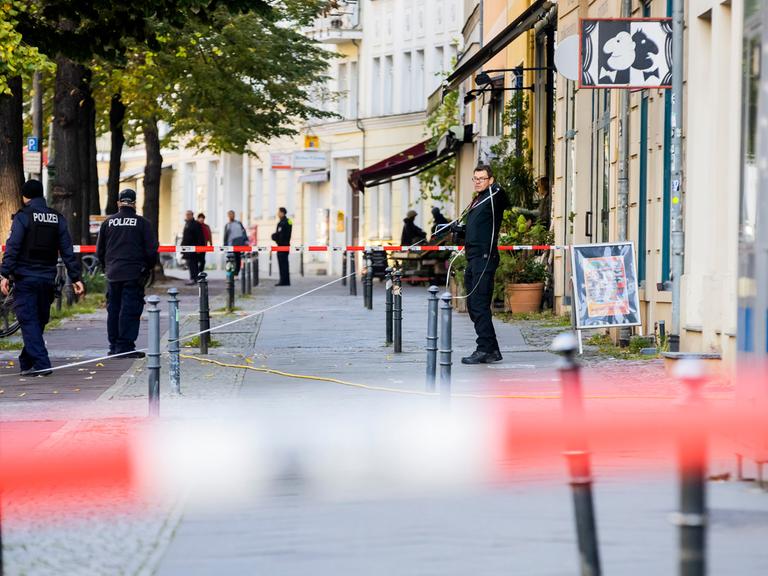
(38, 236)
(208, 238)
(235, 235)
(482, 223)
(192, 236)
(282, 237)
(439, 222)
(412, 234)
(127, 251)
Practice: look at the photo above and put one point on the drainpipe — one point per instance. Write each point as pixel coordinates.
(622, 211)
(676, 187)
(361, 128)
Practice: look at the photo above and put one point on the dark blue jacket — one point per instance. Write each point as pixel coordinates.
(484, 221)
(18, 265)
(127, 247)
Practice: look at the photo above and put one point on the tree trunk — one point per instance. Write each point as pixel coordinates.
(116, 117)
(68, 171)
(93, 169)
(11, 167)
(152, 172)
(83, 133)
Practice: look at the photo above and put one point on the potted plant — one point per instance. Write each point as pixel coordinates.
(457, 282)
(522, 274)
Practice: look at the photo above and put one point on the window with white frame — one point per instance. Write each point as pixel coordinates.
(343, 86)
(353, 94)
(389, 84)
(376, 87)
(418, 82)
(437, 67)
(407, 73)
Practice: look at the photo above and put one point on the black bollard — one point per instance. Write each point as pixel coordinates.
(246, 270)
(368, 281)
(255, 264)
(397, 300)
(153, 357)
(692, 449)
(577, 454)
(446, 343)
(344, 268)
(352, 275)
(388, 307)
(230, 281)
(204, 312)
(61, 272)
(432, 312)
(69, 291)
(173, 341)
(243, 283)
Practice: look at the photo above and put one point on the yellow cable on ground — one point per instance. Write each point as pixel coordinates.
(415, 392)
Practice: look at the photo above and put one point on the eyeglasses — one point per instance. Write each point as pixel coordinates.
(475, 179)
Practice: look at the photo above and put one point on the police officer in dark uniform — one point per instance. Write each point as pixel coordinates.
(38, 235)
(483, 221)
(282, 237)
(127, 251)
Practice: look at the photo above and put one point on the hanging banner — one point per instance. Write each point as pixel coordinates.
(605, 285)
(625, 53)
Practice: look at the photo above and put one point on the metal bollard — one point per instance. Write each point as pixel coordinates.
(255, 264)
(397, 300)
(69, 291)
(577, 454)
(243, 283)
(248, 280)
(174, 346)
(388, 306)
(270, 264)
(446, 311)
(153, 358)
(230, 281)
(205, 312)
(368, 282)
(432, 312)
(692, 517)
(344, 268)
(352, 275)
(61, 270)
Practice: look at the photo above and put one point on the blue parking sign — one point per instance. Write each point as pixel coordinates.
(33, 144)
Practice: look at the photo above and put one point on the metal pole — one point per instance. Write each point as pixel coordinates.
(432, 312)
(243, 283)
(246, 269)
(446, 311)
(230, 281)
(622, 213)
(344, 268)
(37, 119)
(153, 358)
(205, 311)
(577, 454)
(368, 284)
(397, 301)
(692, 518)
(60, 272)
(389, 302)
(69, 292)
(256, 269)
(352, 275)
(174, 346)
(676, 161)
(270, 264)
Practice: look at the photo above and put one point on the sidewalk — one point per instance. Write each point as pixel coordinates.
(522, 527)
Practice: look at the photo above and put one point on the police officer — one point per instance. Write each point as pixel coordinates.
(282, 237)
(483, 221)
(127, 251)
(38, 235)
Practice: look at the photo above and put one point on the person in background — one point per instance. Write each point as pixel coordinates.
(208, 238)
(412, 234)
(192, 236)
(235, 235)
(440, 222)
(282, 237)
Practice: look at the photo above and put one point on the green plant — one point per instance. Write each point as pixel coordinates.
(521, 266)
(194, 342)
(95, 282)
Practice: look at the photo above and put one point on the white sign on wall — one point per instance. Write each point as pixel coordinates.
(312, 159)
(280, 161)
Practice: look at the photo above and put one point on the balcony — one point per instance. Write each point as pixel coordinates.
(340, 23)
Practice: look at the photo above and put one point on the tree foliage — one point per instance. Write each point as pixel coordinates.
(17, 56)
(439, 182)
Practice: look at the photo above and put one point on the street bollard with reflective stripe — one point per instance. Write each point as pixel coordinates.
(368, 282)
(388, 304)
(61, 270)
(344, 268)
(204, 312)
(174, 346)
(692, 449)
(255, 264)
(397, 300)
(432, 312)
(246, 270)
(270, 264)
(243, 283)
(446, 311)
(352, 275)
(230, 281)
(577, 454)
(153, 357)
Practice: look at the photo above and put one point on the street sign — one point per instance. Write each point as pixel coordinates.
(311, 142)
(567, 57)
(280, 161)
(32, 162)
(605, 285)
(625, 53)
(33, 144)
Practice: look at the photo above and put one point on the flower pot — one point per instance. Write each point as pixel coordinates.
(523, 297)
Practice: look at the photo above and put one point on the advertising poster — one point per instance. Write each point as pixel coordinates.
(605, 285)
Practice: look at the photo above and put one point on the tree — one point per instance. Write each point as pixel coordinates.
(439, 181)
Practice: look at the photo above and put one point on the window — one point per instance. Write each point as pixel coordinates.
(353, 94)
(213, 196)
(495, 113)
(389, 82)
(598, 216)
(258, 194)
(407, 73)
(190, 185)
(376, 87)
(418, 82)
(343, 102)
(385, 210)
(438, 67)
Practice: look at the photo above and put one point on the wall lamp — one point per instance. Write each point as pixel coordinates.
(473, 94)
(484, 78)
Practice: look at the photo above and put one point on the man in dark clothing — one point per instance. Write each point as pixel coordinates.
(192, 236)
(483, 221)
(235, 235)
(127, 251)
(282, 237)
(440, 225)
(38, 235)
(208, 238)
(412, 234)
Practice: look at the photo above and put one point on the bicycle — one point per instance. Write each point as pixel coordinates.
(9, 324)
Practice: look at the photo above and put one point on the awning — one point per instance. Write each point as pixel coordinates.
(521, 24)
(405, 164)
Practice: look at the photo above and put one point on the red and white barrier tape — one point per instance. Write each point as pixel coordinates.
(91, 249)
